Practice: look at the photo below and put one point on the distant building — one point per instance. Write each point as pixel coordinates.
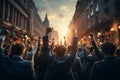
(37, 27)
(46, 21)
(97, 16)
(54, 34)
(79, 21)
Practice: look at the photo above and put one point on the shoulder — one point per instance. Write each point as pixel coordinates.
(100, 62)
(27, 62)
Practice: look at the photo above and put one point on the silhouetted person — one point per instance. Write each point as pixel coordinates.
(23, 68)
(109, 67)
(58, 66)
(76, 66)
(118, 52)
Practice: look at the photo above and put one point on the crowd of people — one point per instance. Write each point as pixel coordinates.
(75, 62)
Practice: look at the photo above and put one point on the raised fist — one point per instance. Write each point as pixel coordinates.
(91, 35)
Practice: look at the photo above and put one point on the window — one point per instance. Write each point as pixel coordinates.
(96, 20)
(7, 11)
(97, 8)
(1, 9)
(88, 6)
(11, 13)
(88, 16)
(107, 12)
(105, 2)
(91, 2)
(118, 7)
(92, 13)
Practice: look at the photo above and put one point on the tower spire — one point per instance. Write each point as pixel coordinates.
(46, 21)
(46, 14)
(46, 17)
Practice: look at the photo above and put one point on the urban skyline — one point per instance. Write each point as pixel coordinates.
(59, 12)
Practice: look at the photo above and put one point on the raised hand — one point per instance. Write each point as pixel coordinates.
(91, 35)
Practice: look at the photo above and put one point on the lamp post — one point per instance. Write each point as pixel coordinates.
(119, 32)
(112, 34)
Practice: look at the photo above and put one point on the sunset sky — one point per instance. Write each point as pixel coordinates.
(60, 13)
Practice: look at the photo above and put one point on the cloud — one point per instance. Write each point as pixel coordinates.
(46, 1)
(41, 9)
(64, 8)
(52, 16)
(62, 17)
(73, 0)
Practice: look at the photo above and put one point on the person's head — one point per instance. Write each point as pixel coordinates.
(69, 48)
(108, 48)
(118, 51)
(18, 49)
(30, 48)
(60, 50)
(79, 49)
(91, 49)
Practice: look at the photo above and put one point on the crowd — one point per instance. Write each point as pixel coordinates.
(25, 62)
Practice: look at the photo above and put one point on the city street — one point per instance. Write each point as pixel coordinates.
(59, 39)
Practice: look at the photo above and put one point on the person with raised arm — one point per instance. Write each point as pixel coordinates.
(56, 66)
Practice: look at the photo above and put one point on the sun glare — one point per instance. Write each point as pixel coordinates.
(62, 34)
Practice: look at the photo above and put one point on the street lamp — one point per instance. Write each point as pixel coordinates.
(112, 29)
(98, 35)
(112, 34)
(119, 27)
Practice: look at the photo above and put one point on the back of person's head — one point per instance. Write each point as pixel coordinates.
(118, 51)
(79, 49)
(108, 48)
(18, 49)
(91, 49)
(60, 50)
(69, 48)
(30, 48)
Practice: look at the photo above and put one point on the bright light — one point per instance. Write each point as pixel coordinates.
(99, 33)
(82, 39)
(62, 33)
(84, 36)
(89, 37)
(26, 36)
(112, 29)
(119, 27)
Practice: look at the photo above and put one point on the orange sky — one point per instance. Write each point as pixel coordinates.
(60, 13)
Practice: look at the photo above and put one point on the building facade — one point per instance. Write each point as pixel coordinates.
(20, 18)
(14, 17)
(54, 34)
(79, 21)
(37, 28)
(100, 17)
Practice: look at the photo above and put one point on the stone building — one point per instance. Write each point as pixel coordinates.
(37, 28)
(20, 18)
(97, 16)
(14, 17)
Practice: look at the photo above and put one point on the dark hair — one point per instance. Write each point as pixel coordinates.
(118, 51)
(30, 48)
(69, 48)
(60, 50)
(108, 48)
(91, 49)
(17, 49)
